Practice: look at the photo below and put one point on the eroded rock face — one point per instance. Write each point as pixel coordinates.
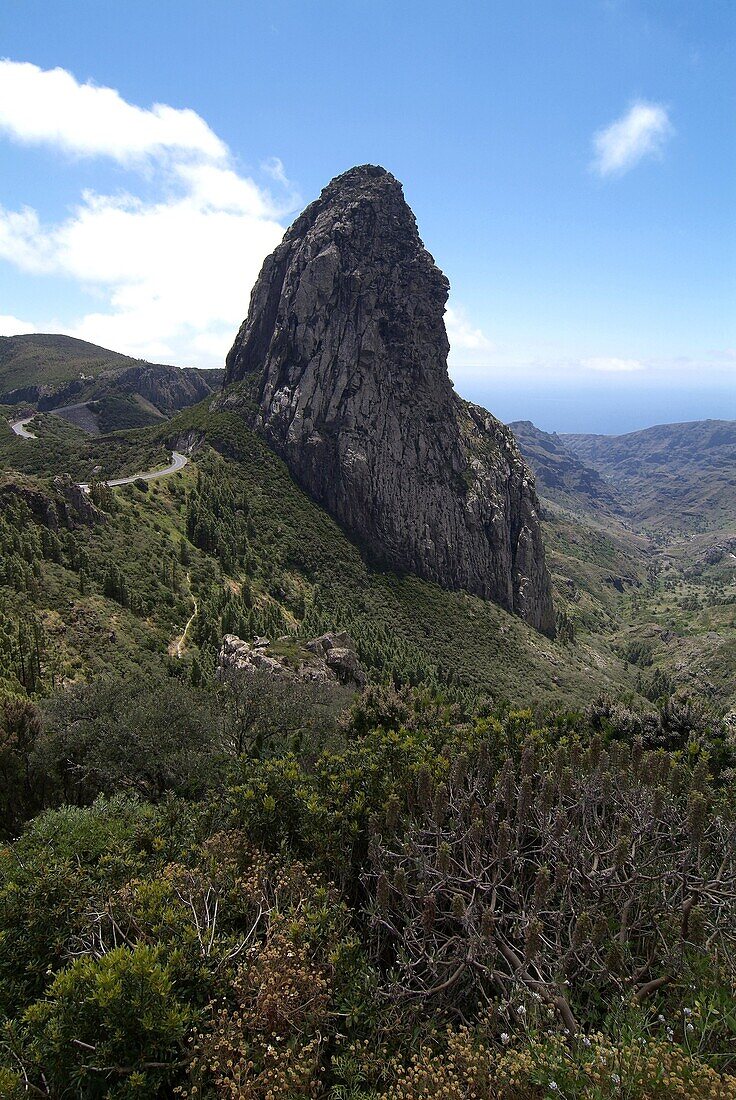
(66, 507)
(82, 508)
(346, 343)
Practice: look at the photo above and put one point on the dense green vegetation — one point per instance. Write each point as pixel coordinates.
(118, 412)
(506, 869)
(61, 448)
(422, 899)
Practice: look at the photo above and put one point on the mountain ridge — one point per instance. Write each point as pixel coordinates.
(561, 474)
(52, 371)
(673, 475)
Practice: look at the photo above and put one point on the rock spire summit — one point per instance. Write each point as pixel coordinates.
(346, 345)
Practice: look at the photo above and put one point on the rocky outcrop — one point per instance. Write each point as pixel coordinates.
(82, 509)
(338, 653)
(168, 389)
(346, 350)
(42, 506)
(68, 506)
(330, 659)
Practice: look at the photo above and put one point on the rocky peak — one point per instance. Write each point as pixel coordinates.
(346, 345)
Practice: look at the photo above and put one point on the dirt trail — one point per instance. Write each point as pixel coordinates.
(176, 649)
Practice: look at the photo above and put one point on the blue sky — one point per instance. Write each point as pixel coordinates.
(571, 164)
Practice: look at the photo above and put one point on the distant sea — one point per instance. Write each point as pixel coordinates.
(605, 406)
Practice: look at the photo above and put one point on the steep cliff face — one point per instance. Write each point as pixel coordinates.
(346, 343)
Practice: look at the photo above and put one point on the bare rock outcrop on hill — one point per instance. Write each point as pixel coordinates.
(329, 659)
(346, 346)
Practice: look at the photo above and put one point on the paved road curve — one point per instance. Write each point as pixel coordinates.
(178, 462)
(19, 427)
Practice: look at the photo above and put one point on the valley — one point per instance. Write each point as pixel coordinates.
(352, 742)
(631, 601)
(671, 594)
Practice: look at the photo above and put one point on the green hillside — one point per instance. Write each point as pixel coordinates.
(211, 884)
(60, 447)
(45, 359)
(299, 571)
(615, 591)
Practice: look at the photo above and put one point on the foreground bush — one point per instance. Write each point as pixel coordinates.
(108, 1027)
(591, 1068)
(387, 920)
(581, 877)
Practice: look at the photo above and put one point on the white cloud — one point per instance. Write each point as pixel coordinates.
(641, 132)
(12, 326)
(51, 107)
(170, 271)
(214, 188)
(173, 274)
(612, 365)
(469, 346)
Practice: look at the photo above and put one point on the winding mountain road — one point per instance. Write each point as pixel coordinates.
(19, 427)
(178, 462)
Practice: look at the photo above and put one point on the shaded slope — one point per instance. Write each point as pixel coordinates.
(560, 473)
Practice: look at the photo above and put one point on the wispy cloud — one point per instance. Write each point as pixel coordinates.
(173, 272)
(274, 167)
(612, 365)
(641, 132)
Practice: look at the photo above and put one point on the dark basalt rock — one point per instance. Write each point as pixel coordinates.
(346, 344)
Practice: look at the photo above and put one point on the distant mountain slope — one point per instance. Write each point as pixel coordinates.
(49, 359)
(675, 476)
(561, 475)
(50, 371)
